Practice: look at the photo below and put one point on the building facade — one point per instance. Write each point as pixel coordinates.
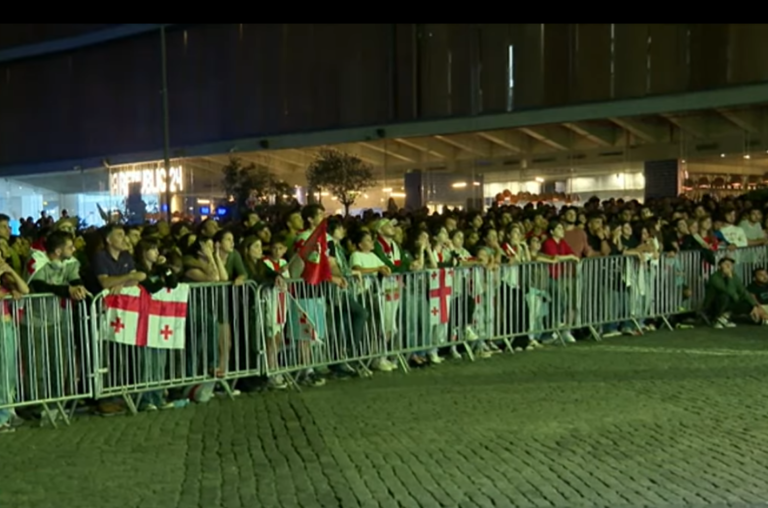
(234, 81)
(78, 97)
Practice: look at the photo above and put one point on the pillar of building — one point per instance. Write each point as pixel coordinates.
(662, 179)
(413, 183)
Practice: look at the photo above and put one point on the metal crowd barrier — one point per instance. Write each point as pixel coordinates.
(326, 325)
(223, 342)
(54, 352)
(45, 356)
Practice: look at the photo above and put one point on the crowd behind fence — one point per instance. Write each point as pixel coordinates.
(56, 352)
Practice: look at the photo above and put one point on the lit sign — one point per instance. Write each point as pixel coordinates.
(153, 181)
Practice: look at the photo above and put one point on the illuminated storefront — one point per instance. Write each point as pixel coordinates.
(154, 181)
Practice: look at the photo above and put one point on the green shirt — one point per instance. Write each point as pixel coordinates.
(731, 286)
(235, 266)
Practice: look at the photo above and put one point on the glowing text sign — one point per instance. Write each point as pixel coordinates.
(153, 181)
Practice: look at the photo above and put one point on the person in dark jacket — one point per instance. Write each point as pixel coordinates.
(153, 362)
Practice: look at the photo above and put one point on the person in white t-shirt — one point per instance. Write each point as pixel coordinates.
(733, 234)
(366, 262)
(752, 227)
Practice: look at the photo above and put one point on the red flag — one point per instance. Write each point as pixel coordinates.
(313, 252)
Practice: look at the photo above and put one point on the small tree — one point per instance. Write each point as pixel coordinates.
(250, 184)
(341, 174)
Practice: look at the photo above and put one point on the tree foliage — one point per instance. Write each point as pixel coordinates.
(340, 174)
(251, 185)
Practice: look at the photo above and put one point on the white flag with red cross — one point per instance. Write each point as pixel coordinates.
(137, 318)
(440, 291)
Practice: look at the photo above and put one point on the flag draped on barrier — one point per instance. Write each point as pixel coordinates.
(138, 318)
(440, 291)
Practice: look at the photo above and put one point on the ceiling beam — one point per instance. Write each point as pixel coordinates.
(424, 147)
(690, 124)
(405, 154)
(554, 136)
(466, 143)
(643, 130)
(603, 136)
(505, 139)
(750, 120)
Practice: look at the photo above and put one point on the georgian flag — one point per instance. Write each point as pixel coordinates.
(440, 291)
(137, 318)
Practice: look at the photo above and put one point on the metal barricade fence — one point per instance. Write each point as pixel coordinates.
(535, 300)
(439, 308)
(311, 326)
(222, 341)
(45, 356)
(614, 293)
(54, 351)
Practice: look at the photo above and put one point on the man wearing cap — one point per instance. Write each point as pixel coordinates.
(386, 248)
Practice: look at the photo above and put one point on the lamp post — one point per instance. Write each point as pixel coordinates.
(166, 129)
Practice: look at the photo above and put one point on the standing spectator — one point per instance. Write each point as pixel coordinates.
(48, 350)
(557, 251)
(11, 284)
(114, 270)
(294, 224)
(751, 224)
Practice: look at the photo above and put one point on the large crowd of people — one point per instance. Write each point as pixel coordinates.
(56, 257)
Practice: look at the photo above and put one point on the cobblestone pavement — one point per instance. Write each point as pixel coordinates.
(668, 420)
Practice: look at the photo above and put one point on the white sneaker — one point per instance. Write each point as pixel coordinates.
(723, 322)
(470, 335)
(455, 353)
(383, 365)
(483, 354)
(549, 339)
(534, 344)
(434, 358)
(612, 333)
(519, 350)
(568, 337)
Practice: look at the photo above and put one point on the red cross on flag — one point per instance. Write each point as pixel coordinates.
(440, 290)
(137, 318)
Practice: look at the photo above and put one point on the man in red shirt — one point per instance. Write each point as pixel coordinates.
(556, 251)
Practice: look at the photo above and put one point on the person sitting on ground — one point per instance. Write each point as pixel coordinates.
(726, 296)
(759, 288)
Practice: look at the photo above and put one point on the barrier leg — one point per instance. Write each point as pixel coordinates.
(468, 350)
(52, 415)
(227, 389)
(130, 404)
(403, 362)
(293, 381)
(364, 371)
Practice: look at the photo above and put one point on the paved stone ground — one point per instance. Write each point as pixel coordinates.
(668, 420)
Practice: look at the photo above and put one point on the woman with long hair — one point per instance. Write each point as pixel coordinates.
(153, 362)
(268, 272)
